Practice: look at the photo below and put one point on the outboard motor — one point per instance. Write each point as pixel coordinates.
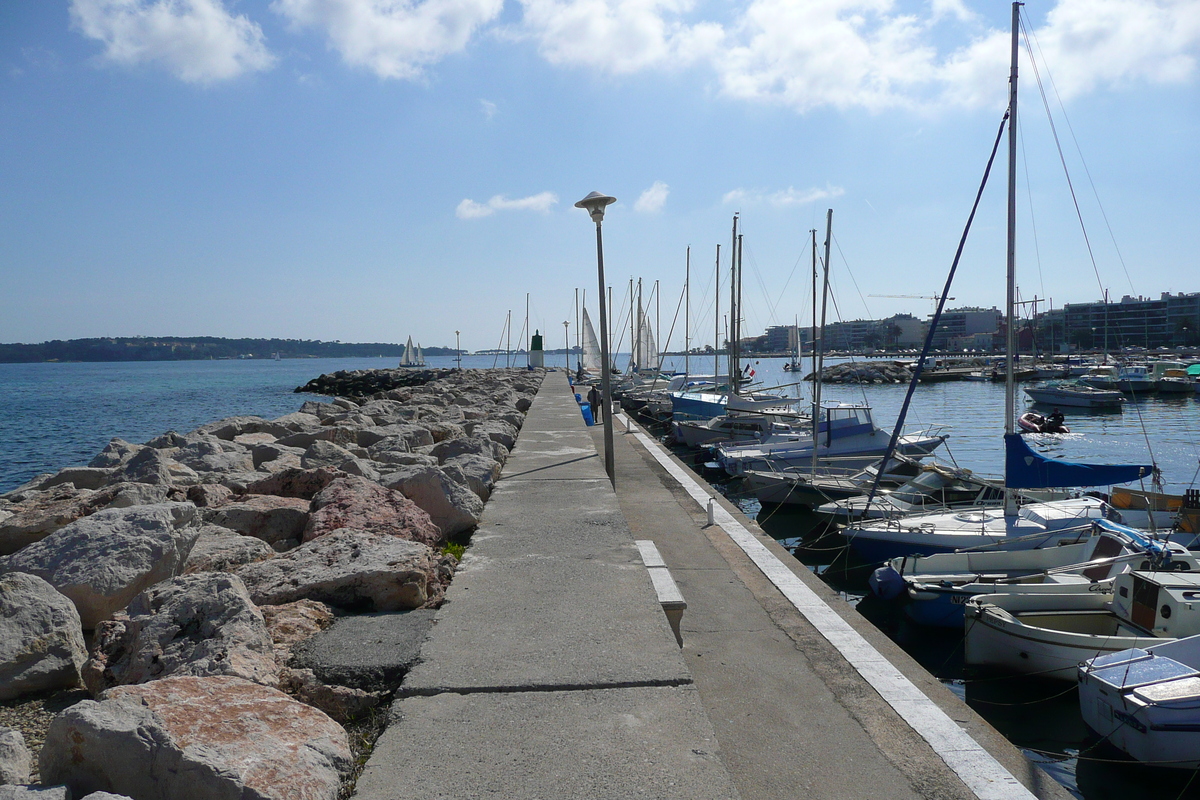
(886, 582)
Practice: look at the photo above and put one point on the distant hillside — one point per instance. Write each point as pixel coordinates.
(195, 348)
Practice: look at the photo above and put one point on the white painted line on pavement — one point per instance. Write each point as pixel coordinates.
(977, 768)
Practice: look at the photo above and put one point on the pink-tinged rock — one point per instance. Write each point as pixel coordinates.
(354, 502)
(263, 516)
(350, 569)
(201, 625)
(41, 639)
(289, 624)
(197, 738)
(302, 483)
(103, 561)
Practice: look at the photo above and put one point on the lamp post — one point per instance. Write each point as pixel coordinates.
(594, 204)
(567, 346)
(458, 350)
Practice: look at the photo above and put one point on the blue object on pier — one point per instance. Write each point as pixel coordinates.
(587, 413)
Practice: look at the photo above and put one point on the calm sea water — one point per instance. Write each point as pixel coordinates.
(58, 415)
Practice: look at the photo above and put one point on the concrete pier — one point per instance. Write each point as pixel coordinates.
(551, 671)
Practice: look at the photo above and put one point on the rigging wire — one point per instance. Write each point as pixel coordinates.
(1079, 150)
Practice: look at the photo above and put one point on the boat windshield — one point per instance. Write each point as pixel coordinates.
(937, 487)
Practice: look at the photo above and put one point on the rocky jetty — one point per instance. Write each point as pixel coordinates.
(865, 372)
(175, 578)
(362, 383)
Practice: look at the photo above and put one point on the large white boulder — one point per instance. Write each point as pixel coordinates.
(452, 506)
(350, 569)
(219, 549)
(15, 760)
(197, 738)
(103, 561)
(41, 638)
(200, 625)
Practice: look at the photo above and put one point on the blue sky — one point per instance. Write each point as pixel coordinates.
(367, 170)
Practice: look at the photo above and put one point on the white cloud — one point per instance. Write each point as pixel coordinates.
(651, 200)
(392, 38)
(868, 53)
(619, 36)
(489, 109)
(198, 41)
(469, 209)
(782, 198)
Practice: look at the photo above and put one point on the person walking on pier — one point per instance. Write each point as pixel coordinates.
(594, 401)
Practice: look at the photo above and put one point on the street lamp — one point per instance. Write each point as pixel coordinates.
(594, 204)
(567, 346)
(458, 350)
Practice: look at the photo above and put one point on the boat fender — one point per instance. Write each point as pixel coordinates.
(886, 583)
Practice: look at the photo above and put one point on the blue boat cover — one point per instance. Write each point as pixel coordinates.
(1025, 469)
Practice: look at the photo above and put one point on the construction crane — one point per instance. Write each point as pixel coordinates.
(910, 296)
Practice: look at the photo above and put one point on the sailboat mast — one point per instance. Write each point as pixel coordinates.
(820, 356)
(1010, 332)
(717, 319)
(687, 311)
(731, 361)
(658, 326)
(737, 367)
(578, 333)
(1010, 499)
(633, 323)
(812, 341)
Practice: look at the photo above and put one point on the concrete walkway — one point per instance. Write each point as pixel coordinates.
(551, 671)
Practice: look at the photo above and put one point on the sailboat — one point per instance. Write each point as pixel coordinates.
(589, 365)
(1008, 527)
(707, 402)
(412, 356)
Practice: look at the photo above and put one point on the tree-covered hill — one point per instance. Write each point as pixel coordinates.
(196, 347)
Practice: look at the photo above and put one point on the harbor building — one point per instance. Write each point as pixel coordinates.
(1171, 320)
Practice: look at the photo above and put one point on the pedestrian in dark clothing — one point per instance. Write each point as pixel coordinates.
(594, 400)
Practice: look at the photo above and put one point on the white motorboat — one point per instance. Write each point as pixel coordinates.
(845, 434)
(1049, 636)
(936, 588)
(734, 427)
(938, 487)
(801, 487)
(1075, 395)
(1145, 701)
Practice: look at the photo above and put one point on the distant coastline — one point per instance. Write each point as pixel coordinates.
(196, 348)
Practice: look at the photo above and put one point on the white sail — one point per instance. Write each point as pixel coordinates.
(420, 356)
(591, 346)
(646, 350)
(407, 359)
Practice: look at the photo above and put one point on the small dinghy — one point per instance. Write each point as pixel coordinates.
(1033, 422)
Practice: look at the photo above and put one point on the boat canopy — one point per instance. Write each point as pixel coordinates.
(1026, 469)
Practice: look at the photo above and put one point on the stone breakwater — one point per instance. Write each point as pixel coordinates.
(181, 580)
(865, 372)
